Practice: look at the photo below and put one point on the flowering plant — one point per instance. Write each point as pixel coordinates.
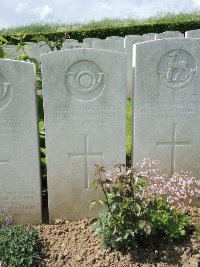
(6, 217)
(142, 203)
(179, 190)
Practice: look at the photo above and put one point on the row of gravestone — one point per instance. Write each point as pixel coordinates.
(84, 94)
(113, 43)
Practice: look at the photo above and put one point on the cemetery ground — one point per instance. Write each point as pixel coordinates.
(75, 244)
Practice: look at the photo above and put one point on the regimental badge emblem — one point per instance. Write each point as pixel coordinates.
(5, 92)
(85, 80)
(176, 69)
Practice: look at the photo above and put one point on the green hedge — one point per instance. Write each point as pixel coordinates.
(119, 31)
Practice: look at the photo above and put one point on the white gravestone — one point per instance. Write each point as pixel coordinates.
(111, 44)
(34, 51)
(89, 41)
(31, 43)
(74, 45)
(85, 113)
(129, 41)
(9, 46)
(19, 160)
(167, 104)
(192, 34)
(44, 48)
(11, 52)
(168, 34)
(150, 34)
(70, 41)
(115, 38)
(131, 35)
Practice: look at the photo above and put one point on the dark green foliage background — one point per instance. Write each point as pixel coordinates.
(103, 32)
(19, 247)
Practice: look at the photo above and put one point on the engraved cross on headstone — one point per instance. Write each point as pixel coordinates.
(174, 143)
(86, 155)
(4, 161)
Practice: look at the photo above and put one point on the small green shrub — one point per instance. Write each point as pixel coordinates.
(19, 246)
(166, 220)
(138, 205)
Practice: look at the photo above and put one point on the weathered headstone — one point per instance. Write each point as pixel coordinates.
(167, 104)
(19, 160)
(10, 46)
(11, 52)
(31, 44)
(131, 35)
(115, 38)
(84, 107)
(192, 34)
(111, 44)
(89, 41)
(70, 41)
(129, 41)
(150, 34)
(168, 34)
(34, 50)
(74, 45)
(44, 48)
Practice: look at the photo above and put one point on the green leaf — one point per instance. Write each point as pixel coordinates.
(119, 239)
(183, 232)
(137, 208)
(117, 199)
(2, 39)
(43, 151)
(141, 224)
(23, 57)
(18, 48)
(35, 61)
(2, 53)
(147, 229)
(39, 38)
(95, 183)
(96, 203)
(125, 205)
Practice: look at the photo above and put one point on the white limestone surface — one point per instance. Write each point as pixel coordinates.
(90, 40)
(168, 34)
(20, 188)
(166, 124)
(150, 34)
(70, 41)
(74, 45)
(10, 52)
(115, 38)
(193, 34)
(85, 112)
(129, 41)
(109, 44)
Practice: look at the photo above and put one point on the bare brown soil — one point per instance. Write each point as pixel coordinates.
(75, 244)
